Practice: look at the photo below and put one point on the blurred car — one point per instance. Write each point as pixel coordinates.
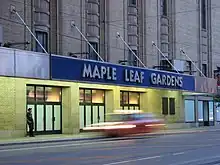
(122, 123)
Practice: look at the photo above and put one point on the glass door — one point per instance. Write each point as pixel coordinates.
(95, 114)
(101, 114)
(40, 118)
(57, 118)
(49, 117)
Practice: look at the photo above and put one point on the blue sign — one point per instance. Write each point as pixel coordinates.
(71, 69)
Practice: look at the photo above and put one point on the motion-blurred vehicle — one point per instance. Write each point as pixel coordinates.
(123, 123)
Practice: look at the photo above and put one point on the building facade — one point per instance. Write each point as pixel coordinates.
(64, 101)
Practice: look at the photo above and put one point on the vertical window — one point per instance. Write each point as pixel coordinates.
(217, 104)
(189, 106)
(203, 13)
(30, 93)
(133, 2)
(204, 69)
(132, 60)
(165, 106)
(189, 67)
(164, 7)
(200, 111)
(43, 39)
(92, 54)
(172, 106)
(211, 111)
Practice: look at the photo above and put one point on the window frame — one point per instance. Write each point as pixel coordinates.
(123, 105)
(172, 107)
(90, 103)
(165, 111)
(203, 12)
(132, 60)
(44, 41)
(92, 55)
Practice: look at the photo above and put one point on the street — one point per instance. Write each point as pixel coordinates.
(201, 148)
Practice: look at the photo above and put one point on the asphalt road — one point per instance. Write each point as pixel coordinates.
(187, 149)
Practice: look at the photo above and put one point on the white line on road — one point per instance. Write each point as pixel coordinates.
(179, 153)
(195, 160)
(58, 146)
(134, 160)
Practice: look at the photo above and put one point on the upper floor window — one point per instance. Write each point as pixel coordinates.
(43, 39)
(204, 69)
(92, 54)
(164, 7)
(189, 67)
(132, 60)
(133, 2)
(203, 13)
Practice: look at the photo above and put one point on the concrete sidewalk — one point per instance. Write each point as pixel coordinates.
(96, 136)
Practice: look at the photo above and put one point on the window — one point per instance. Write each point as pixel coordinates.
(189, 67)
(203, 13)
(30, 93)
(165, 65)
(133, 2)
(92, 96)
(204, 69)
(92, 54)
(43, 39)
(172, 106)
(211, 111)
(164, 7)
(189, 110)
(132, 60)
(98, 96)
(200, 111)
(130, 100)
(165, 106)
(52, 94)
(41, 94)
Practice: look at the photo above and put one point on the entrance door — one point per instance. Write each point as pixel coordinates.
(47, 118)
(91, 114)
(53, 118)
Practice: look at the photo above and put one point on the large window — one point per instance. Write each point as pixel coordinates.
(189, 110)
(42, 94)
(43, 39)
(89, 96)
(130, 100)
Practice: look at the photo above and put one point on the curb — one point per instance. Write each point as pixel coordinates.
(150, 135)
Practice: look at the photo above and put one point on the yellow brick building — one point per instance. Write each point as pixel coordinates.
(14, 102)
